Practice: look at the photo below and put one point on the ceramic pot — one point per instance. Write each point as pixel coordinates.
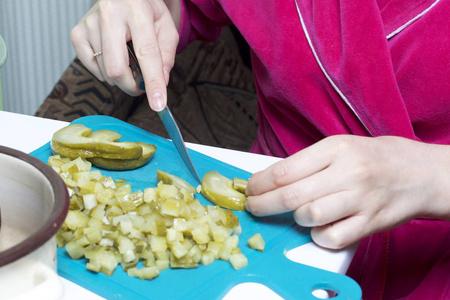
(33, 205)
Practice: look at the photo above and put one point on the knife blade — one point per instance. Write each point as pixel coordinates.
(175, 134)
(166, 117)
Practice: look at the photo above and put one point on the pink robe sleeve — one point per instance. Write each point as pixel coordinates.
(200, 20)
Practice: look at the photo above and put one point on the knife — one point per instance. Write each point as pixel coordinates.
(166, 117)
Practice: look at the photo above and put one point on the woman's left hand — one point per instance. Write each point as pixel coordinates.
(349, 187)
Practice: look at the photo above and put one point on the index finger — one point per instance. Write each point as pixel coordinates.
(149, 50)
(294, 168)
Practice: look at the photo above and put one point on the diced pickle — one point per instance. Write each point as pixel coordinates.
(207, 258)
(76, 219)
(166, 191)
(144, 273)
(178, 250)
(75, 250)
(168, 178)
(256, 242)
(172, 207)
(240, 184)
(229, 219)
(238, 261)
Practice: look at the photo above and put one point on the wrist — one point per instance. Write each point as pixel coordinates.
(439, 206)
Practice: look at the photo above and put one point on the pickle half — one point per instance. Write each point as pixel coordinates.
(75, 141)
(102, 148)
(219, 190)
(125, 164)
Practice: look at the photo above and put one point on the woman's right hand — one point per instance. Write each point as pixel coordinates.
(152, 27)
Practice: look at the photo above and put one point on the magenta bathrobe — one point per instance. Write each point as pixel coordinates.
(366, 68)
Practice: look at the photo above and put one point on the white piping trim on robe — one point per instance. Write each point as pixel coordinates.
(410, 21)
(324, 71)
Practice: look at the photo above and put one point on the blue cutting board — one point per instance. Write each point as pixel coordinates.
(289, 279)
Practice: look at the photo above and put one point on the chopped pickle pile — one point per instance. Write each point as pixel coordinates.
(101, 147)
(146, 231)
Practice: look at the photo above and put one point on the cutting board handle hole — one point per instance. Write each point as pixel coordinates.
(324, 292)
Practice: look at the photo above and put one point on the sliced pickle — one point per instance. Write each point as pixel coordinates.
(105, 135)
(74, 141)
(219, 190)
(125, 164)
(71, 153)
(168, 178)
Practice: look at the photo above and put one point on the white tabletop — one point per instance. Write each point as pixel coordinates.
(27, 133)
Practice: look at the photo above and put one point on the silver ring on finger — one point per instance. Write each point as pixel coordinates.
(97, 54)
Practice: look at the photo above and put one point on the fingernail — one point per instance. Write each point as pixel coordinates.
(247, 208)
(157, 101)
(247, 191)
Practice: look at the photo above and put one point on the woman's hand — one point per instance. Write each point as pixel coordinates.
(349, 187)
(110, 24)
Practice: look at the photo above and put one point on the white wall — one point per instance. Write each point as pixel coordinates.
(37, 35)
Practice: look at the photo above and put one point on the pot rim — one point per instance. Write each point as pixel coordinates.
(57, 214)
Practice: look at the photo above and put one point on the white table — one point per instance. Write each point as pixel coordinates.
(27, 133)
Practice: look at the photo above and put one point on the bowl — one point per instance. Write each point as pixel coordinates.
(34, 202)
